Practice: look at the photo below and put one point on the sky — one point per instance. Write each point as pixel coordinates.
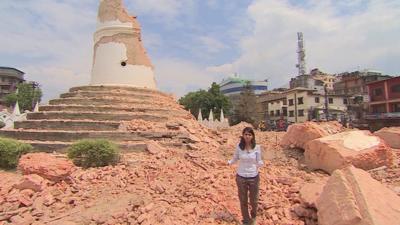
(193, 43)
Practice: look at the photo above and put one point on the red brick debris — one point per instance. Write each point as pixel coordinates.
(168, 185)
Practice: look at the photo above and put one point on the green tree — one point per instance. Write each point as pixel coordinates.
(206, 100)
(27, 96)
(246, 109)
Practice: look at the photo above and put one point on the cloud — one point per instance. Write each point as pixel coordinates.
(51, 41)
(56, 80)
(191, 47)
(211, 44)
(179, 76)
(336, 38)
(166, 12)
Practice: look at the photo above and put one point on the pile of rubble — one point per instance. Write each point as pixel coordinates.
(168, 185)
(357, 161)
(163, 186)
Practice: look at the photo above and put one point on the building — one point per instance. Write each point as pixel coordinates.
(307, 81)
(327, 79)
(272, 105)
(354, 85)
(9, 79)
(306, 104)
(316, 80)
(234, 85)
(384, 103)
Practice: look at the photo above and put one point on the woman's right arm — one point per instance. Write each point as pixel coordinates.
(235, 157)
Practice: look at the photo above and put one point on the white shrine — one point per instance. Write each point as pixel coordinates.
(213, 123)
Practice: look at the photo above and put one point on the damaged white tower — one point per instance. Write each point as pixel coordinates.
(119, 57)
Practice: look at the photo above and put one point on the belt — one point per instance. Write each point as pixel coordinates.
(247, 177)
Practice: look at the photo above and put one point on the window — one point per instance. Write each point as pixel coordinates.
(290, 102)
(316, 99)
(291, 113)
(330, 100)
(345, 101)
(271, 113)
(278, 112)
(377, 91)
(285, 101)
(395, 88)
(396, 107)
(300, 100)
(284, 111)
(301, 112)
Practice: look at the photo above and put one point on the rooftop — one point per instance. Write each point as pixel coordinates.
(11, 68)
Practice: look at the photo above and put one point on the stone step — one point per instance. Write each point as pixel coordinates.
(108, 88)
(69, 125)
(71, 136)
(100, 116)
(112, 108)
(125, 147)
(114, 94)
(109, 101)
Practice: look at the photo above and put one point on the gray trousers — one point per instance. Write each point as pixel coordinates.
(248, 188)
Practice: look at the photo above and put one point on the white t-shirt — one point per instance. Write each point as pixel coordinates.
(249, 161)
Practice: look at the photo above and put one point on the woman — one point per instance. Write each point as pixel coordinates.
(247, 178)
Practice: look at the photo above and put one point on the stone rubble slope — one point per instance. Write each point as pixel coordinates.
(166, 185)
(170, 185)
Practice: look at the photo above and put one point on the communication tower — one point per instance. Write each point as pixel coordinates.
(301, 54)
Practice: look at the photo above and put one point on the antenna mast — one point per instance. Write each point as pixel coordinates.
(301, 54)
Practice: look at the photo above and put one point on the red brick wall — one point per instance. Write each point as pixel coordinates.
(372, 92)
(393, 82)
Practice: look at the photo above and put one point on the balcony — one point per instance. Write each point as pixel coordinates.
(377, 116)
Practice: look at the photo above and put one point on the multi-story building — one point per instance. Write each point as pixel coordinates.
(384, 96)
(316, 80)
(305, 104)
(353, 84)
(235, 85)
(327, 79)
(272, 105)
(384, 103)
(307, 81)
(9, 78)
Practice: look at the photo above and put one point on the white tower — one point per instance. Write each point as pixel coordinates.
(211, 116)
(119, 57)
(301, 54)
(200, 116)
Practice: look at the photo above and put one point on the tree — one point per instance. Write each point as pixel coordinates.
(246, 109)
(27, 96)
(206, 100)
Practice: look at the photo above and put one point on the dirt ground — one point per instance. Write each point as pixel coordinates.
(173, 186)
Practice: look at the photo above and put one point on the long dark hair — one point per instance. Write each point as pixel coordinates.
(242, 143)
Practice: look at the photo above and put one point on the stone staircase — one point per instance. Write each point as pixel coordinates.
(88, 112)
